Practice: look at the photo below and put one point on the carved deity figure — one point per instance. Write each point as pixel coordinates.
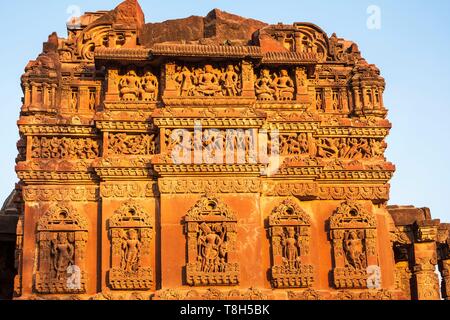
(186, 80)
(149, 85)
(230, 81)
(354, 250)
(336, 105)
(63, 252)
(92, 100)
(264, 86)
(284, 86)
(208, 82)
(291, 249)
(74, 100)
(319, 101)
(131, 250)
(212, 248)
(129, 86)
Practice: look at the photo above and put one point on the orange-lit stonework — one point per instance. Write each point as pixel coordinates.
(124, 193)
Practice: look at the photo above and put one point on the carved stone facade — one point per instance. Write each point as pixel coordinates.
(230, 159)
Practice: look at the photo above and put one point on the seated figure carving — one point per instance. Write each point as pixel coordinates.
(208, 83)
(129, 86)
(284, 86)
(264, 86)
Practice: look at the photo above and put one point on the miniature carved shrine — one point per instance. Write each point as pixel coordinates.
(211, 157)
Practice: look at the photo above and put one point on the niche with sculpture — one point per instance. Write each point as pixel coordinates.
(353, 236)
(290, 235)
(211, 236)
(62, 235)
(131, 234)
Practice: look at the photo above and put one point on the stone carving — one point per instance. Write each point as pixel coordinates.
(352, 231)
(275, 86)
(135, 88)
(131, 234)
(290, 237)
(350, 148)
(98, 126)
(64, 148)
(208, 81)
(62, 236)
(127, 144)
(211, 233)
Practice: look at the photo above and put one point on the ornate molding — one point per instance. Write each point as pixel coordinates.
(202, 185)
(128, 190)
(57, 193)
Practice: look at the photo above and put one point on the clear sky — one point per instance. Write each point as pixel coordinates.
(411, 48)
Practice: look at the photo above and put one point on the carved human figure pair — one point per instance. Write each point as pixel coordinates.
(274, 87)
(134, 88)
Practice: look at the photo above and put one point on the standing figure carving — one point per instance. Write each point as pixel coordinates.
(63, 252)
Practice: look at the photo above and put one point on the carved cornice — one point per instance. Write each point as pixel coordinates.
(184, 50)
(207, 102)
(124, 105)
(122, 54)
(129, 126)
(34, 129)
(352, 132)
(124, 173)
(222, 169)
(48, 176)
(290, 58)
(355, 175)
(209, 122)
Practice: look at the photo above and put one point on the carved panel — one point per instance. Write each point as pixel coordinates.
(353, 236)
(275, 85)
(131, 234)
(64, 148)
(211, 235)
(290, 233)
(62, 234)
(206, 81)
(134, 86)
(128, 144)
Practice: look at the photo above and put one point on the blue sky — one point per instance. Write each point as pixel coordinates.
(411, 49)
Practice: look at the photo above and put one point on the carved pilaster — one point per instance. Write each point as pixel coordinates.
(425, 259)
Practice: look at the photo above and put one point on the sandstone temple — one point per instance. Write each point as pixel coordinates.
(211, 157)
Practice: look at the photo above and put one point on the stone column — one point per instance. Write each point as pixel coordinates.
(426, 280)
(444, 268)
